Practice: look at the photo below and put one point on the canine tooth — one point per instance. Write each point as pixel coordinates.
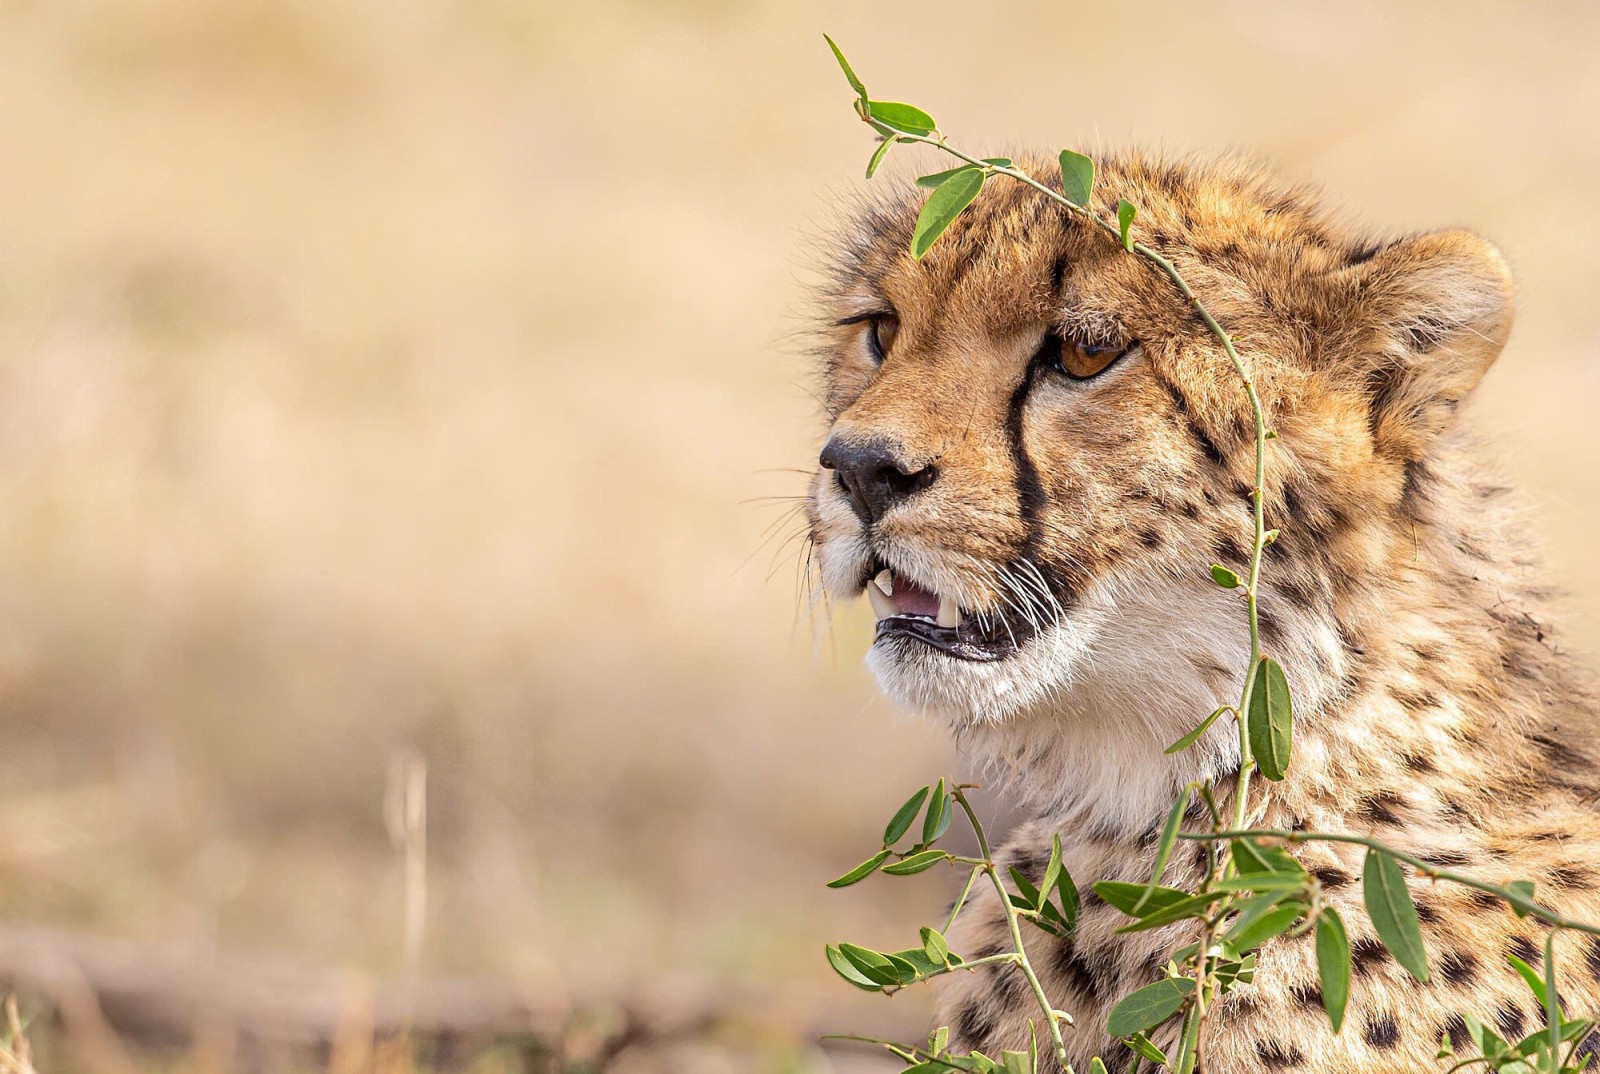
(949, 613)
(885, 580)
(882, 606)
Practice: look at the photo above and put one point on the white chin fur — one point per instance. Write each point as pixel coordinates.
(1088, 705)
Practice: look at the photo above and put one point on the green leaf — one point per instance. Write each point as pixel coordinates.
(1269, 925)
(1333, 965)
(1192, 906)
(1149, 1006)
(1250, 856)
(1096, 1066)
(1069, 898)
(1242, 970)
(1077, 177)
(1393, 914)
(1052, 871)
(934, 945)
(1125, 214)
(938, 177)
(847, 969)
(873, 965)
(1125, 896)
(1523, 888)
(916, 863)
(844, 65)
(1259, 882)
(1188, 1041)
(1552, 998)
(901, 117)
(1194, 736)
(943, 206)
(1030, 894)
(938, 816)
(878, 155)
(1169, 837)
(1219, 574)
(1270, 719)
(939, 1040)
(1140, 1045)
(901, 822)
(1532, 976)
(1015, 1063)
(917, 961)
(861, 872)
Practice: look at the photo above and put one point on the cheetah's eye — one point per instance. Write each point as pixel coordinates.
(1079, 361)
(881, 330)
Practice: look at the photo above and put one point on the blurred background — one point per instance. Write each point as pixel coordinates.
(400, 406)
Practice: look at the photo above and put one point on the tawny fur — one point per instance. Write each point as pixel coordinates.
(1435, 710)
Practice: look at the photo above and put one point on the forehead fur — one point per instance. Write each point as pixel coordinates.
(1227, 212)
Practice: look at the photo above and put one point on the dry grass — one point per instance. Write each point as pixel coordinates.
(384, 381)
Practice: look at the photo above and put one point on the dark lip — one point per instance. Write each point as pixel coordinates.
(959, 642)
(999, 637)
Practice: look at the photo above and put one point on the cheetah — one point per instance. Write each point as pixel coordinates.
(1035, 451)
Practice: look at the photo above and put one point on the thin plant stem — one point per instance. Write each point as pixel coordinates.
(1052, 1017)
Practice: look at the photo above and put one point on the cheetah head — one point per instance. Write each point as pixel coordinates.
(1036, 449)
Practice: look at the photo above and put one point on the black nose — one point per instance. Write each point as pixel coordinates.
(874, 474)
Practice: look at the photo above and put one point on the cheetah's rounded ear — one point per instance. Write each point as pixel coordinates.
(1431, 313)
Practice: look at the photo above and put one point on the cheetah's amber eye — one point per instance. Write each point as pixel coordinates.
(881, 330)
(1080, 361)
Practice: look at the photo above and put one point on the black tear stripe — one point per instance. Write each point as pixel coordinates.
(1031, 496)
(1030, 490)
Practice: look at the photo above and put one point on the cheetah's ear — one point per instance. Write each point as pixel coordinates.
(1432, 313)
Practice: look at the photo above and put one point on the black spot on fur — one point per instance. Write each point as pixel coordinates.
(1459, 967)
(1277, 1055)
(1572, 876)
(1511, 1020)
(1483, 900)
(1447, 859)
(1330, 877)
(1073, 968)
(1414, 700)
(1306, 994)
(1524, 949)
(1366, 955)
(1381, 1032)
(1382, 808)
(1592, 958)
(1426, 913)
(1010, 984)
(1362, 254)
(1419, 763)
(974, 1026)
(1590, 1048)
(1426, 333)
(1455, 1027)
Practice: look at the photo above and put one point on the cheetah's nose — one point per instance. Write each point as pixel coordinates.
(874, 474)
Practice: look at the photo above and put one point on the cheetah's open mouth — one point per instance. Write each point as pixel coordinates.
(907, 610)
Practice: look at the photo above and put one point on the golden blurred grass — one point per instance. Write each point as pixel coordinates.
(386, 378)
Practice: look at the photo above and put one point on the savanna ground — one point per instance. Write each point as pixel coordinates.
(387, 382)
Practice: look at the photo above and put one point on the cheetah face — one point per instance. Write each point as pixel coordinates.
(1036, 450)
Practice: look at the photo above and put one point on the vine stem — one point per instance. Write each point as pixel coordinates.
(1518, 901)
(1252, 587)
(1053, 1017)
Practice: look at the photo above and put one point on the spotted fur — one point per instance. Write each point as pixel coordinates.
(1435, 709)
